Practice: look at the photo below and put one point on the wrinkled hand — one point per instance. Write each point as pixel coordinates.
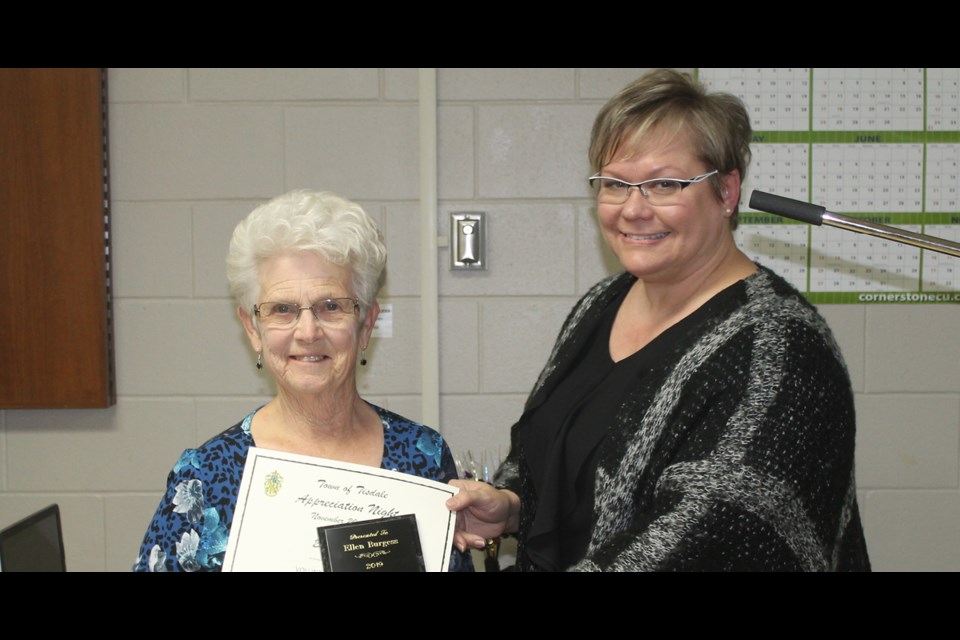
(482, 512)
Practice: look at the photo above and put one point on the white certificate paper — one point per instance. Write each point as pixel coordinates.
(284, 497)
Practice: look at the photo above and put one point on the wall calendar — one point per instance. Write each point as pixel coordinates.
(881, 145)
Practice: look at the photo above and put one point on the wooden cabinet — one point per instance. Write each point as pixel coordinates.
(56, 327)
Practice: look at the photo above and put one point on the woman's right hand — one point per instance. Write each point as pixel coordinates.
(482, 512)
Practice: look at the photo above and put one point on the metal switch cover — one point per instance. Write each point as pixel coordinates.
(468, 240)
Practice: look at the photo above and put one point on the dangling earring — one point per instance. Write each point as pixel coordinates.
(259, 361)
(363, 356)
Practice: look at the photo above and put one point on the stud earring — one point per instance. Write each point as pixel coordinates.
(259, 361)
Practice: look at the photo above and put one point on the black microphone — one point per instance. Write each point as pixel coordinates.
(787, 207)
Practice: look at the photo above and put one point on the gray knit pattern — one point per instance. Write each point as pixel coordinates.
(735, 454)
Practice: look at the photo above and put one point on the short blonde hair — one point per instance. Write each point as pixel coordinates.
(717, 124)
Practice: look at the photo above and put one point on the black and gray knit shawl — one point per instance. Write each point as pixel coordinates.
(735, 453)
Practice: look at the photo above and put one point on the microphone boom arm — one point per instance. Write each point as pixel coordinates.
(815, 214)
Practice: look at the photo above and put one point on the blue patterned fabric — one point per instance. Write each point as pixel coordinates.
(190, 529)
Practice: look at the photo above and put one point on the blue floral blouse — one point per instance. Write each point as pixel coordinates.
(190, 529)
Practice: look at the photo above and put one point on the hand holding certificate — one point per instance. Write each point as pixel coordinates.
(284, 499)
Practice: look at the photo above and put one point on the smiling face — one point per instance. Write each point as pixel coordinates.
(308, 358)
(667, 243)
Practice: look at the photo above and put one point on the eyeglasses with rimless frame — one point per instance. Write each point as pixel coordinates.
(657, 191)
(332, 312)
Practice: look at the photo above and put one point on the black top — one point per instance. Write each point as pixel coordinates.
(563, 436)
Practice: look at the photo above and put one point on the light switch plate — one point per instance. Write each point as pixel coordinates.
(468, 240)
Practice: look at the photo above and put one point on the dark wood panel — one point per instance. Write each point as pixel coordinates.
(55, 307)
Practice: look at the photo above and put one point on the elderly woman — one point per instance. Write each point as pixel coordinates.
(695, 413)
(304, 270)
